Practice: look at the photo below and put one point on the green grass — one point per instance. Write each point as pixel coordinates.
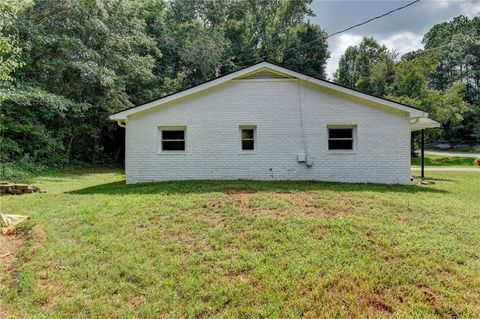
(436, 160)
(244, 249)
(456, 150)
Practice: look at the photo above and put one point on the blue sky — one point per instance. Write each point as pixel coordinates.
(401, 31)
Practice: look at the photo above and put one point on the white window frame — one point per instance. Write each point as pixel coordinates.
(255, 146)
(171, 128)
(354, 148)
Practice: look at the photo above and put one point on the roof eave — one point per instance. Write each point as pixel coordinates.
(422, 123)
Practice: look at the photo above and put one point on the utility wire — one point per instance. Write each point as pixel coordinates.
(330, 35)
(374, 18)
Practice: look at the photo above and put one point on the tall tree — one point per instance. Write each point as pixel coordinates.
(410, 86)
(308, 51)
(458, 61)
(367, 67)
(84, 60)
(72, 63)
(10, 50)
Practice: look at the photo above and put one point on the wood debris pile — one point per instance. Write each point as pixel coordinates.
(7, 188)
(8, 223)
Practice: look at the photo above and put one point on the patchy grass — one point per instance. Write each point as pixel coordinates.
(436, 160)
(248, 249)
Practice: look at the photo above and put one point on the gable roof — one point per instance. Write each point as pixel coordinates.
(277, 69)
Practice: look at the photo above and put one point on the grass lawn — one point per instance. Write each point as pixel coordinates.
(464, 150)
(436, 160)
(247, 249)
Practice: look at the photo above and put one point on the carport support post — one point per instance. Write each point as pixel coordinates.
(422, 155)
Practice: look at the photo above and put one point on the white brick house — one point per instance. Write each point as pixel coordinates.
(266, 122)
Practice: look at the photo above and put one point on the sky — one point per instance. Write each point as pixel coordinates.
(402, 30)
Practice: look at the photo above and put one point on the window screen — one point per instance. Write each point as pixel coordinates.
(173, 140)
(340, 138)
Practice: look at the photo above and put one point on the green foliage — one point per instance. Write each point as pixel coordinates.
(307, 52)
(70, 64)
(65, 66)
(21, 170)
(459, 63)
(411, 86)
(367, 67)
(443, 80)
(434, 160)
(10, 50)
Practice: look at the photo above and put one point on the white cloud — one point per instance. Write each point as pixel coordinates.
(401, 42)
(470, 9)
(337, 46)
(444, 3)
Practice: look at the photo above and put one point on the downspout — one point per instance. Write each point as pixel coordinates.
(122, 124)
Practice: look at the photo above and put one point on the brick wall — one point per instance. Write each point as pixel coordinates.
(213, 148)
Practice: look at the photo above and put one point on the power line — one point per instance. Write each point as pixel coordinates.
(332, 34)
(374, 18)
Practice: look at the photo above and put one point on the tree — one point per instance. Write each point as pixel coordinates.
(308, 51)
(10, 50)
(367, 67)
(442, 79)
(410, 86)
(458, 61)
(94, 57)
(346, 67)
(203, 39)
(70, 64)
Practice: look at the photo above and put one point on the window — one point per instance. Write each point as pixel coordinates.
(173, 139)
(340, 138)
(248, 138)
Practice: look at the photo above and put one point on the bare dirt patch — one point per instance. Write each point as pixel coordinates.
(432, 298)
(306, 204)
(9, 246)
(377, 303)
(39, 235)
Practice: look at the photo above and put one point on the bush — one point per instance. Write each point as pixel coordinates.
(21, 169)
(26, 168)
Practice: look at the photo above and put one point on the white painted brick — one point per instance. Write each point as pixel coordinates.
(213, 139)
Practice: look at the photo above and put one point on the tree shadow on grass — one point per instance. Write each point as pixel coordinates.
(210, 186)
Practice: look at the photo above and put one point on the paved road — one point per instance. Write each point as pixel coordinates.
(460, 154)
(448, 169)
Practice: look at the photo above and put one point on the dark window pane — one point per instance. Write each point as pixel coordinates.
(247, 134)
(173, 146)
(173, 135)
(340, 133)
(340, 145)
(247, 145)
